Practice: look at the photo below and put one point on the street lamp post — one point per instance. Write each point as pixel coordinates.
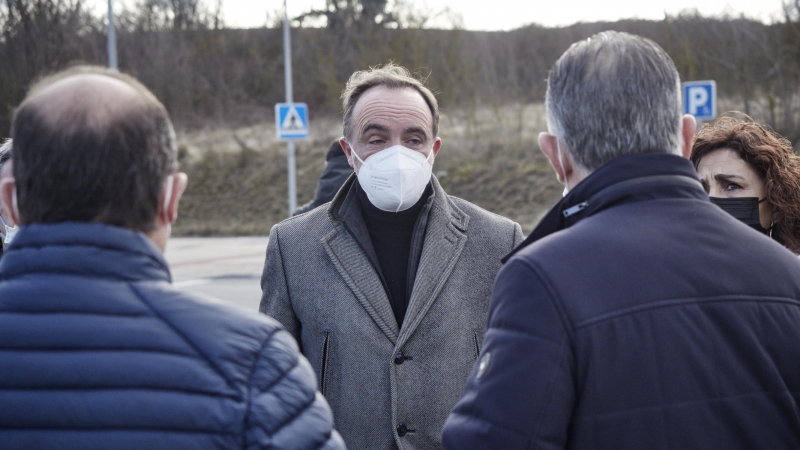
(287, 63)
(112, 38)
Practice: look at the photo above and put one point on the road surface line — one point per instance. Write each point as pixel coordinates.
(223, 258)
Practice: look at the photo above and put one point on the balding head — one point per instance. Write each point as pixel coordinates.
(85, 101)
(91, 145)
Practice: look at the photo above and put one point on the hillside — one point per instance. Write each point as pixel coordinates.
(237, 177)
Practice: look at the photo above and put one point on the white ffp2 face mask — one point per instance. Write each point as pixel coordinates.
(394, 178)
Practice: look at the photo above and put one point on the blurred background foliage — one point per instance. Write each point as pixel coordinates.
(219, 80)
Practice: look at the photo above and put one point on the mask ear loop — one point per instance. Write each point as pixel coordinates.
(771, 225)
(168, 193)
(353, 151)
(15, 205)
(431, 157)
(561, 163)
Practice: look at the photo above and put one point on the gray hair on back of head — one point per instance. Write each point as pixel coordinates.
(390, 76)
(612, 95)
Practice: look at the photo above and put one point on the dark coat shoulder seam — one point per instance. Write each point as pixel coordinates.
(683, 301)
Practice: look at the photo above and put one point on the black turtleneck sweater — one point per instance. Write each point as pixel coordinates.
(391, 235)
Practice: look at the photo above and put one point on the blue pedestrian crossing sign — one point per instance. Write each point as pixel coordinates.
(291, 120)
(700, 99)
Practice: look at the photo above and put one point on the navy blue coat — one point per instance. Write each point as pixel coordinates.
(98, 351)
(643, 318)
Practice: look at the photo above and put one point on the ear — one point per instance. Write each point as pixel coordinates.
(549, 146)
(347, 151)
(688, 129)
(170, 215)
(7, 187)
(437, 145)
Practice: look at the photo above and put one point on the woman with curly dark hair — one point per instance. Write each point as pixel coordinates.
(754, 174)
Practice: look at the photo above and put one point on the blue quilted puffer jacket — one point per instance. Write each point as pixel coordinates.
(98, 351)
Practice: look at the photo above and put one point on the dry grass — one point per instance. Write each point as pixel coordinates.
(237, 177)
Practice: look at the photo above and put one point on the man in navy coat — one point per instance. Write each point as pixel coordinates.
(97, 350)
(637, 315)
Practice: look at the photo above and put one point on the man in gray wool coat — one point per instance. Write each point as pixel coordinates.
(387, 287)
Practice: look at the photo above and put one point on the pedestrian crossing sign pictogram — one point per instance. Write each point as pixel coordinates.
(291, 120)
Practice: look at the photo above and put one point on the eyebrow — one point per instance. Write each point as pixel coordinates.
(375, 126)
(417, 130)
(724, 176)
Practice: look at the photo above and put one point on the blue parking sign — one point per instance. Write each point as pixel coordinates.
(291, 120)
(700, 99)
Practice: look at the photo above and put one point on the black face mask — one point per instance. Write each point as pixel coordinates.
(743, 208)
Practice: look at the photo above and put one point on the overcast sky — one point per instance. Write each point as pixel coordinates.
(509, 14)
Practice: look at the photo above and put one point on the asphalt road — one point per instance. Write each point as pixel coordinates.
(226, 268)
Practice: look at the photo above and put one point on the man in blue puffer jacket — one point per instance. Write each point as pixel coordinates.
(637, 315)
(97, 350)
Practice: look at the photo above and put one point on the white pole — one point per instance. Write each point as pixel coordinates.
(112, 38)
(287, 63)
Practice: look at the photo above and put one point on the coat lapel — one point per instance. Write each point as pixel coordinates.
(353, 263)
(445, 238)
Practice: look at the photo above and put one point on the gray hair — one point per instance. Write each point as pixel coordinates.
(612, 95)
(391, 76)
(5, 153)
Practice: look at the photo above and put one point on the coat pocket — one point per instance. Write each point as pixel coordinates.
(477, 342)
(324, 366)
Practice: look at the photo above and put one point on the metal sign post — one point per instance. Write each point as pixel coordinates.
(287, 63)
(112, 38)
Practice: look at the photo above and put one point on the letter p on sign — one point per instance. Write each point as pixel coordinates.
(700, 99)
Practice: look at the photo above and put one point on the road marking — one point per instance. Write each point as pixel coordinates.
(211, 260)
(189, 283)
(209, 280)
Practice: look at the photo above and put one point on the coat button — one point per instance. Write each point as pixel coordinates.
(399, 358)
(402, 429)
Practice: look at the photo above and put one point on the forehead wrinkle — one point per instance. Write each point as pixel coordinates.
(398, 119)
(394, 108)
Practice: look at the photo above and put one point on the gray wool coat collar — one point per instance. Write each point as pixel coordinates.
(351, 252)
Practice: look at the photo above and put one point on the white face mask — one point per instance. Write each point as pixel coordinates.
(394, 178)
(9, 233)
